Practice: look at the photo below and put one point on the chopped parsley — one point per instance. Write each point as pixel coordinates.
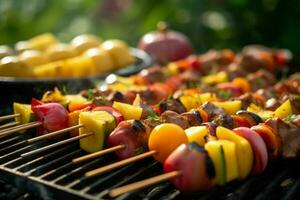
(64, 90)
(160, 102)
(260, 81)
(90, 94)
(152, 115)
(139, 150)
(192, 84)
(291, 117)
(297, 97)
(224, 94)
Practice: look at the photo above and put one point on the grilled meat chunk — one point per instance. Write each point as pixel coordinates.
(212, 111)
(194, 117)
(173, 105)
(175, 118)
(260, 79)
(289, 135)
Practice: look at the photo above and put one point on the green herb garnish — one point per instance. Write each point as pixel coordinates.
(192, 84)
(90, 94)
(260, 81)
(160, 102)
(139, 150)
(224, 94)
(291, 117)
(64, 90)
(297, 97)
(152, 115)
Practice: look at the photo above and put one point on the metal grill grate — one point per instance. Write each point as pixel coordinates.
(53, 175)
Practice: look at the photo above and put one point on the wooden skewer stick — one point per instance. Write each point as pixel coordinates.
(98, 154)
(144, 183)
(56, 144)
(118, 164)
(20, 128)
(9, 125)
(55, 133)
(9, 116)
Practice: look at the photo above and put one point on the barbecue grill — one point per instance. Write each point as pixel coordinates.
(52, 175)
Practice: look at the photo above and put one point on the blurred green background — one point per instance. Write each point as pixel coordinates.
(208, 23)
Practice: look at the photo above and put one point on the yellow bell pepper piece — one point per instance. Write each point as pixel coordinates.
(243, 150)
(128, 111)
(284, 110)
(264, 114)
(220, 77)
(230, 107)
(190, 102)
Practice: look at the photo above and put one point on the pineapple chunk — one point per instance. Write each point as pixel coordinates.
(197, 134)
(100, 123)
(128, 111)
(26, 114)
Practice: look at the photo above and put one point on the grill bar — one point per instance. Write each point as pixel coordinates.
(53, 171)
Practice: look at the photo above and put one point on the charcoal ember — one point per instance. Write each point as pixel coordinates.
(289, 135)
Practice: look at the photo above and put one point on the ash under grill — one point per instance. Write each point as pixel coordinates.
(52, 175)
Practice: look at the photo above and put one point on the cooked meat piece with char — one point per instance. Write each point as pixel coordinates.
(224, 120)
(247, 99)
(261, 79)
(194, 117)
(289, 135)
(295, 101)
(288, 86)
(153, 74)
(175, 118)
(296, 120)
(272, 104)
(268, 93)
(152, 123)
(255, 57)
(147, 111)
(173, 105)
(94, 93)
(190, 76)
(214, 58)
(118, 96)
(212, 111)
(234, 71)
(148, 97)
